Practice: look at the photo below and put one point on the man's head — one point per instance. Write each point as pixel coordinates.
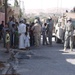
(45, 24)
(21, 20)
(25, 21)
(2, 22)
(69, 19)
(35, 21)
(50, 18)
(7, 31)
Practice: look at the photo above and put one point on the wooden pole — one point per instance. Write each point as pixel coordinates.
(6, 11)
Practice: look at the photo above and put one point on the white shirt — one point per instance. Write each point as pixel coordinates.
(27, 38)
(21, 28)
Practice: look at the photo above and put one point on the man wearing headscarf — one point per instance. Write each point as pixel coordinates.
(21, 31)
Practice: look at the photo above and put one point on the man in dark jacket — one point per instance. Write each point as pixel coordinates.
(1, 28)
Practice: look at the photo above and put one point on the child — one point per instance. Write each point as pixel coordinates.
(44, 34)
(27, 41)
(7, 39)
(4, 34)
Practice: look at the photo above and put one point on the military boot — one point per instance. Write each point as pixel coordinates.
(64, 48)
(71, 49)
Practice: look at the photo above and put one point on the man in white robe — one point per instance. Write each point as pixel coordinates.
(21, 31)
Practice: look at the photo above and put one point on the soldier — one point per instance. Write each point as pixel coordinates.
(37, 32)
(68, 34)
(49, 29)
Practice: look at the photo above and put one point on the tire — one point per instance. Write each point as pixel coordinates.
(58, 40)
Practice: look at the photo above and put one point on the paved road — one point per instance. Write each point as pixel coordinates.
(48, 60)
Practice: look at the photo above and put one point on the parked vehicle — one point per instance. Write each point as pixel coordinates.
(59, 31)
(60, 28)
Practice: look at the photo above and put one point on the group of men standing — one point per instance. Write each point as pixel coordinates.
(37, 29)
(32, 33)
(46, 30)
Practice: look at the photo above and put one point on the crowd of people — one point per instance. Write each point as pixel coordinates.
(23, 35)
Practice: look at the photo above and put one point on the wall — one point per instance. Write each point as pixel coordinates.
(2, 17)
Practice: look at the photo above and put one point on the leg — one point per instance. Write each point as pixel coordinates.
(39, 40)
(36, 40)
(0, 34)
(43, 39)
(71, 43)
(4, 41)
(66, 42)
(7, 47)
(50, 37)
(46, 40)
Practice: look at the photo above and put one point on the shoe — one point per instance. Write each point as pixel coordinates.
(6, 51)
(43, 44)
(47, 44)
(71, 50)
(64, 49)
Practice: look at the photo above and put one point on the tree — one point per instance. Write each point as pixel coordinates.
(74, 9)
(16, 3)
(21, 13)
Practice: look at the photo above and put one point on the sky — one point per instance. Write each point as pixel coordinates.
(45, 4)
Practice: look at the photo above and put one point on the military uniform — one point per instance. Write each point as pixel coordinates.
(68, 35)
(37, 33)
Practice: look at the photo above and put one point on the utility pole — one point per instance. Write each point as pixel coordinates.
(57, 5)
(23, 9)
(6, 11)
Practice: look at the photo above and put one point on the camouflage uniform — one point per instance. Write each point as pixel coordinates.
(68, 35)
(37, 33)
